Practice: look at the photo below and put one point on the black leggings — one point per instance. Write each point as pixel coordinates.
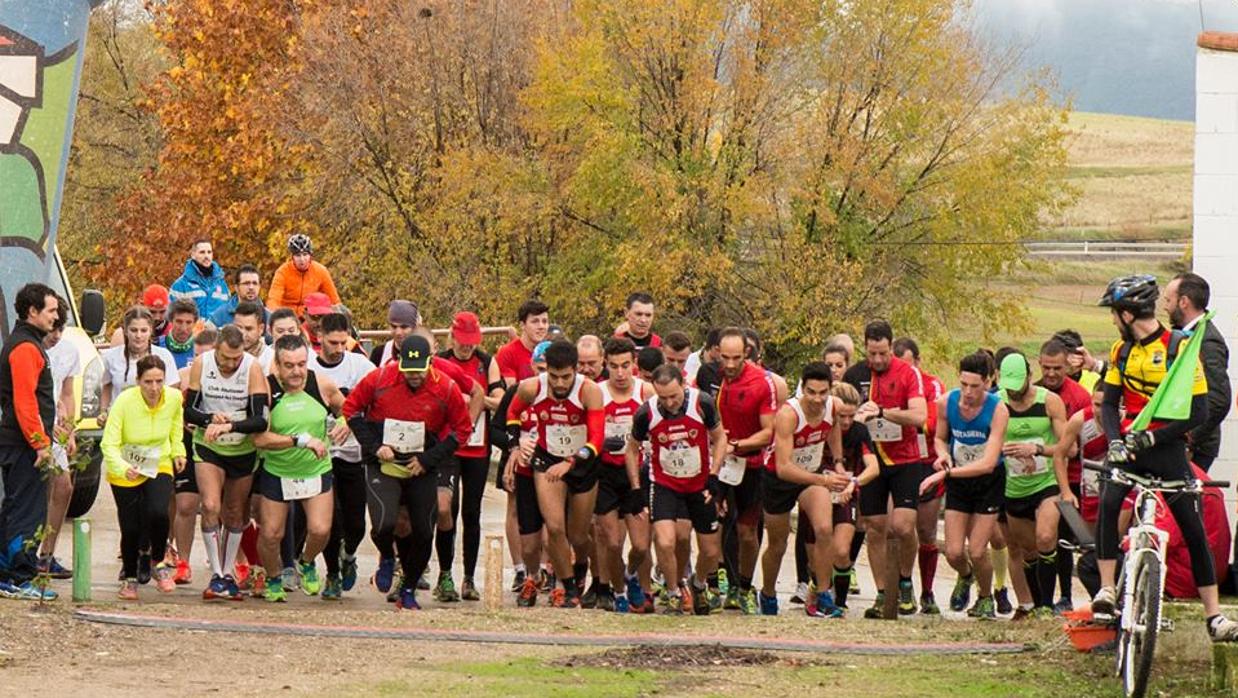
(143, 515)
(348, 525)
(1167, 462)
(473, 473)
(385, 495)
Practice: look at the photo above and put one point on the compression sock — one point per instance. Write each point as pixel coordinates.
(842, 585)
(445, 547)
(1031, 569)
(1065, 571)
(928, 566)
(1046, 572)
(232, 543)
(210, 540)
(1001, 562)
(857, 542)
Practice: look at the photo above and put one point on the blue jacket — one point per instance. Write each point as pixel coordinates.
(208, 292)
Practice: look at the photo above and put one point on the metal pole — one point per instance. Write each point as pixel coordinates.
(81, 560)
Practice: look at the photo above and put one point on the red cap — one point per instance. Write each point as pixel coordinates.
(318, 304)
(155, 296)
(465, 329)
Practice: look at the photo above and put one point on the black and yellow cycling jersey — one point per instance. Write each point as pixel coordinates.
(1138, 368)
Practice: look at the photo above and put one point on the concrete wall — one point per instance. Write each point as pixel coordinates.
(1216, 215)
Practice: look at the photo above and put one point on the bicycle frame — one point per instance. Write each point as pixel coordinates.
(1146, 539)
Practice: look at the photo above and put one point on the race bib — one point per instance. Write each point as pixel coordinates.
(1022, 467)
(564, 441)
(1089, 480)
(300, 488)
(1090, 431)
(732, 472)
(884, 430)
(478, 438)
(966, 454)
(922, 443)
(808, 457)
(680, 462)
(232, 438)
(620, 429)
(404, 437)
(144, 459)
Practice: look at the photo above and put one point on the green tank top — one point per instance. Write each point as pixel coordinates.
(297, 413)
(1029, 476)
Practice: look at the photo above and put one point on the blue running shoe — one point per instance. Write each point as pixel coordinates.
(636, 595)
(407, 601)
(216, 589)
(384, 574)
(769, 605)
(621, 604)
(823, 606)
(30, 591)
(348, 571)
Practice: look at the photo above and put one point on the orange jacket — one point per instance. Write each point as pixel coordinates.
(289, 287)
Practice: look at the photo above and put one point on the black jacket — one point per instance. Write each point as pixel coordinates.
(1206, 438)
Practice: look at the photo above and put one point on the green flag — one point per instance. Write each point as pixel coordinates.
(1172, 399)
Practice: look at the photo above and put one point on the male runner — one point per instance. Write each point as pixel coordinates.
(590, 359)
(515, 358)
(638, 321)
(402, 317)
(676, 348)
(247, 317)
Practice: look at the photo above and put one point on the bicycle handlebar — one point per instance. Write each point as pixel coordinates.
(1153, 482)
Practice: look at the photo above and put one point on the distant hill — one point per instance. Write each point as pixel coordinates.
(1133, 57)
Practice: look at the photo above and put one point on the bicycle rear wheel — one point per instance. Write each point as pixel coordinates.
(1140, 640)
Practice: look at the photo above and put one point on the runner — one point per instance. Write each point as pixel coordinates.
(860, 460)
(707, 374)
(226, 402)
(685, 433)
(515, 358)
(647, 361)
(799, 472)
(296, 463)
(203, 281)
(248, 282)
(929, 508)
(637, 322)
(63, 359)
(522, 493)
(707, 354)
(182, 324)
(317, 306)
(299, 277)
(410, 419)
(402, 317)
(894, 412)
(247, 317)
(618, 494)
(838, 359)
(120, 362)
(969, 436)
(676, 348)
(746, 402)
(142, 446)
(346, 369)
(1138, 363)
(1054, 365)
(590, 361)
(1035, 457)
(473, 456)
(569, 433)
(284, 323)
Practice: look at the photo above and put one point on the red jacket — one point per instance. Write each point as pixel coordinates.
(384, 394)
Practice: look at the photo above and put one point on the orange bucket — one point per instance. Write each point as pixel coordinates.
(1086, 636)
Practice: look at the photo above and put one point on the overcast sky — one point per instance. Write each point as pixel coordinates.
(1119, 56)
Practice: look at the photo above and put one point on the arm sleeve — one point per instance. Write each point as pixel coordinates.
(193, 415)
(27, 364)
(595, 423)
(1109, 418)
(255, 421)
(275, 295)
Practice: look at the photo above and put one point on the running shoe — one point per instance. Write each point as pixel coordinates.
(51, 567)
(572, 597)
(558, 598)
(748, 602)
(310, 583)
(184, 573)
(144, 567)
(1104, 602)
(546, 581)
(605, 600)
(407, 600)
(348, 570)
(636, 595)
(732, 597)
(29, 591)
(1001, 597)
(590, 598)
(164, 578)
(961, 594)
(714, 598)
(217, 588)
(700, 602)
(260, 583)
(674, 605)
(468, 590)
(877, 610)
(983, 609)
(1021, 614)
(383, 575)
(928, 605)
(906, 598)
(724, 583)
(855, 582)
(1063, 605)
(128, 590)
(822, 605)
(1043, 613)
(8, 591)
(1222, 629)
(445, 591)
(289, 579)
(333, 589)
(274, 591)
(769, 604)
(621, 604)
(518, 581)
(801, 593)
(643, 609)
(242, 575)
(233, 588)
(528, 594)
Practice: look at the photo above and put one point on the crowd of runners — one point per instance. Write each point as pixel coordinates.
(642, 473)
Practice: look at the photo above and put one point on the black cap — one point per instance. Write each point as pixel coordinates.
(415, 354)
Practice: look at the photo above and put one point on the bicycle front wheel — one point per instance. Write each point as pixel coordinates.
(1140, 638)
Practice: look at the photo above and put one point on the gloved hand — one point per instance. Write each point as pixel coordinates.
(1118, 453)
(1138, 441)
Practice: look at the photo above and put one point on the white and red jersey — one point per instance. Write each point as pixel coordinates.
(618, 418)
(680, 444)
(1094, 447)
(808, 441)
(561, 426)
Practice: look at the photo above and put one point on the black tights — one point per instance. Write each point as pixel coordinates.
(348, 524)
(143, 514)
(385, 496)
(467, 504)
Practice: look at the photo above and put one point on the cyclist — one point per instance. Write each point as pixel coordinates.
(299, 277)
(1138, 363)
